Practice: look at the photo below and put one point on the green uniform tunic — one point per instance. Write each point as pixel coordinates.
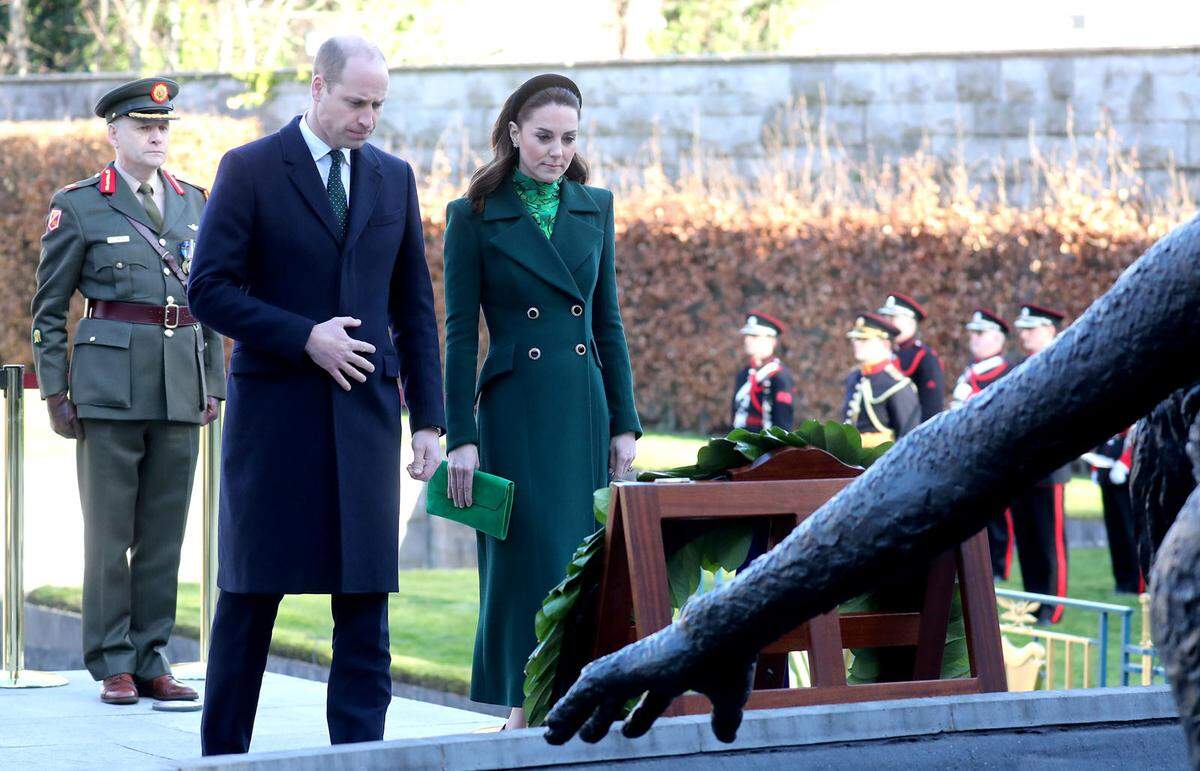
(555, 386)
(140, 391)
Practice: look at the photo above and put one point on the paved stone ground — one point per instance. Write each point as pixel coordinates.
(68, 727)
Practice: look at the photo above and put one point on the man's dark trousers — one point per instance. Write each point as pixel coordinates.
(1039, 524)
(360, 684)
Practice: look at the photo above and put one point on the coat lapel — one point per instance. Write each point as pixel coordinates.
(524, 243)
(574, 237)
(173, 205)
(304, 175)
(126, 202)
(365, 179)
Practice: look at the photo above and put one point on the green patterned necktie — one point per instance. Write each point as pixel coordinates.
(336, 191)
(147, 194)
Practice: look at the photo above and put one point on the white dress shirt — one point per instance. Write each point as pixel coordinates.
(156, 186)
(320, 153)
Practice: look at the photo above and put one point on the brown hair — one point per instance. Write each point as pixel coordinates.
(488, 178)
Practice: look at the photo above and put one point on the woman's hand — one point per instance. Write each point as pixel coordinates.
(621, 452)
(461, 464)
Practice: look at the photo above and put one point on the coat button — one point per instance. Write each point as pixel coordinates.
(166, 271)
(533, 313)
(576, 310)
(120, 265)
(169, 332)
(92, 339)
(162, 242)
(535, 354)
(581, 349)
(170, 300)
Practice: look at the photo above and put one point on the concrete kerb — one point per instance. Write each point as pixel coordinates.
(782, 728)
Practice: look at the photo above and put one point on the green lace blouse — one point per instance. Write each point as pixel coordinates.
(540, 198)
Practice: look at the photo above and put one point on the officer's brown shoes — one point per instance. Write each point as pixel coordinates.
(167, 688)
(119, 689)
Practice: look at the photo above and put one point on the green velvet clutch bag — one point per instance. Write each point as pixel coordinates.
(491, 506)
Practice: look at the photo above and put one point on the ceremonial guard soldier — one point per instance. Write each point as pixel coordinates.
(1110, 464)
(988, 334)
(764, 390)
(880, 401)
(142, 378)
(1038, 514)
(916, 360)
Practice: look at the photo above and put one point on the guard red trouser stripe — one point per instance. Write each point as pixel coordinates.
(1060, 550)
(1008, 549)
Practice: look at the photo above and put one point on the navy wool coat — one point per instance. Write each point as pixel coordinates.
(311, 473)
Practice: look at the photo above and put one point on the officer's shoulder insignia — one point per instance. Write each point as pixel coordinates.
(92, 180)
(54, 220)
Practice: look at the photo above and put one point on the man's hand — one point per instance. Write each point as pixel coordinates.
(63, 418)
(338, 353)
(210, 412)
(659, 668)
(461, 465)
(427, 454)
(621, 451)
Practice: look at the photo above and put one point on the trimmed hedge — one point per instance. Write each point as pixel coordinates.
(692, 259)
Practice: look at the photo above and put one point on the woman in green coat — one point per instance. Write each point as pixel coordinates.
(532, 246)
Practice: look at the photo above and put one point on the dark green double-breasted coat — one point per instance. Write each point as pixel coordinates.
(555, 386)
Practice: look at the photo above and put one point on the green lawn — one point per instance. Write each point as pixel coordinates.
(657, 451)
(1089, 578)
(432, 620)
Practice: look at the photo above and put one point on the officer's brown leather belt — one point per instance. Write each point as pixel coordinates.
(169, 315)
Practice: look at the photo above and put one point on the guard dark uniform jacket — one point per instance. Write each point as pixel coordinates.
(920, 363)
(763, 396)
(977, 377)
(881, 403)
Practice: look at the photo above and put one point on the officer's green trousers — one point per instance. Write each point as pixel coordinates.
(135, 483)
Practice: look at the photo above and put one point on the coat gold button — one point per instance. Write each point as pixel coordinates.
(162, 242)
(581, 349)
(120, 265)
(533, 313)
(166, 271)
(170, 300)
(576, 310)
(169, 332)
(91, 339)
(535, 354)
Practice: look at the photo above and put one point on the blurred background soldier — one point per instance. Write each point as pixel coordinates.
(1038, 515)
(988, 332)
(144, 376)
(880, 402)
(764, 390)
(1110, 464)
(916, 361)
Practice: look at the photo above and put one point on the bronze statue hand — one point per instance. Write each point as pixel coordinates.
(658, 668)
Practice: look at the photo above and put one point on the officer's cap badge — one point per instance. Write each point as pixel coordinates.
(159, 93)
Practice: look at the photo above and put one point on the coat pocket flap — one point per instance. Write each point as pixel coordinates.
(499, 362)
(114, 334)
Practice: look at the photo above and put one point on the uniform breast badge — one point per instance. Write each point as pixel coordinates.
(185, 251)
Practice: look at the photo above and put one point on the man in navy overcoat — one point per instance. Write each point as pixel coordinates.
(310, 257)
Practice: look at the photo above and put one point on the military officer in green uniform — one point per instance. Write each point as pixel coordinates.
(141, 378)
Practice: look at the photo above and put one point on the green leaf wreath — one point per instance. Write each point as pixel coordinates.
(565, 625)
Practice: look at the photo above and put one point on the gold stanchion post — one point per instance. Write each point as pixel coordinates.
(12, 635)
(211, 483)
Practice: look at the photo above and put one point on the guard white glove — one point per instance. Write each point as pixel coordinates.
(1119, 473)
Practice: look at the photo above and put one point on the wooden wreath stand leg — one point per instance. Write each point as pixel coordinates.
(787, 486)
